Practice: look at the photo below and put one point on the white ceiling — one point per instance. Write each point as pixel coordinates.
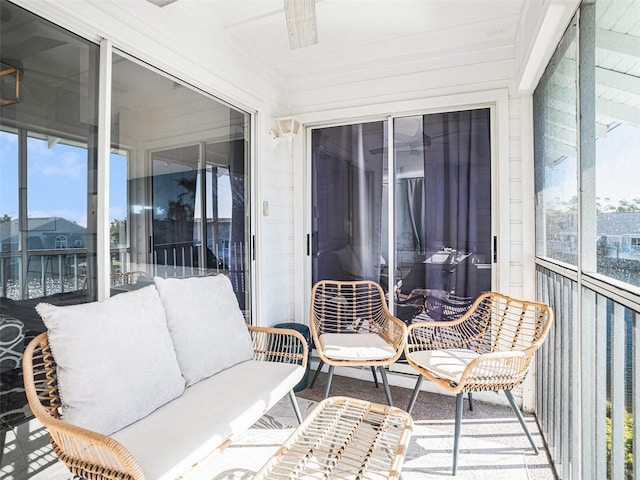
(363, 39)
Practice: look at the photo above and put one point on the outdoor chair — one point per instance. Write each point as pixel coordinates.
(489, 348)
(351, 326)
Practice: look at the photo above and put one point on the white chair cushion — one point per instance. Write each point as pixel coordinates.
(183, 432)
(116, 362)
(355, 346)
(448, 364)
(206, 325)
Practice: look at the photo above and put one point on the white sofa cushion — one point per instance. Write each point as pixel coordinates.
(448, 364)
(355, 346)
(206, 325)
(189, 428)
(116, 362)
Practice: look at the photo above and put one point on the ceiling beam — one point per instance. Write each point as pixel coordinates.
(554, 149)
(601, 130)
(618, 42)
(618, 80)
(618, 112)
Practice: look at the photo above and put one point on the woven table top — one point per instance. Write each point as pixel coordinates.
(344, 438)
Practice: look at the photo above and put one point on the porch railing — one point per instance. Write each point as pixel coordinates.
(46, 272)
(588, 377)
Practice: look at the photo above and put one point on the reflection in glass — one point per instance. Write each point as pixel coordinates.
(442, 212)
(10, 285)
(347, 165)
(617, 165)
(47, 182)
(47, 172)
(186, 178)
(555, 120)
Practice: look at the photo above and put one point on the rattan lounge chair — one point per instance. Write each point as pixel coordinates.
(352, 326)
(489, 348)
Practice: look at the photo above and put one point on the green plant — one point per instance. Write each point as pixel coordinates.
(628, 441)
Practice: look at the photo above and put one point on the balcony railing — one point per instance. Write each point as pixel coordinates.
(46, 272)
(588, 377)
(64, 270)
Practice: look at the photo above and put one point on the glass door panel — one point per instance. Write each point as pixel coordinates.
(348, 167)
(48, 164)
(442, 212)
(188, 181)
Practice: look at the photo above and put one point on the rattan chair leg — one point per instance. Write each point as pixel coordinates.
(315, 375)
(414, 396)
(520, 418)
(470, 401)
(387, 390)
(456, 438)
(329, 378)
(375, 377)
(296, 407)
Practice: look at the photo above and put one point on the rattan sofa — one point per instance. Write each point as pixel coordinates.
(177, 436)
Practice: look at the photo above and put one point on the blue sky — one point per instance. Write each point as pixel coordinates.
(56, 180)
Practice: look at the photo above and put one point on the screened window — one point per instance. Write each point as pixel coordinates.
(556, 126)
(588, 216)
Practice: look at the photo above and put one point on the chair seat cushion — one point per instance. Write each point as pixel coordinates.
(448, 364)
(356, 346)
(183, 432)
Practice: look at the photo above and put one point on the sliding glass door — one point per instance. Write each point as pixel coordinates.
(347, 202)
(183, 159)
(434, 198)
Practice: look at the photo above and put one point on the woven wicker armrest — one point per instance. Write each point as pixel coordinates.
(87, 454)
(279, 345)
(443, 335)
(496, 371)
(394, 331)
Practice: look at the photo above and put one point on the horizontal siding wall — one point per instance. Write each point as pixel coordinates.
(276, 268)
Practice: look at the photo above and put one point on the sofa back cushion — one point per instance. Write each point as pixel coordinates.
(206, 325)
(116, 362)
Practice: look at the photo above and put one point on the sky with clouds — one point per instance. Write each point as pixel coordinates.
(56, 180)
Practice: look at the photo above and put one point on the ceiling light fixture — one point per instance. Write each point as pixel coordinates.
(301, 23)
(9, 84)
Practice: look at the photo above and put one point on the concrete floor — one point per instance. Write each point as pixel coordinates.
(489, 429)
(493, 445)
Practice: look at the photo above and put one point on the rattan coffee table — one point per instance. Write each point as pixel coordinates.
(344, 438)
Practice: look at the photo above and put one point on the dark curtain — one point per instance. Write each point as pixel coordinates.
(458, 180)
(416, 205)
(347, 198)
(451, 211)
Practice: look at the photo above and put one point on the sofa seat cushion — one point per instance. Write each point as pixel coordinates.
(355, 346)
(183, 432)
(206, 324)
(116, 362)
(448, 364)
